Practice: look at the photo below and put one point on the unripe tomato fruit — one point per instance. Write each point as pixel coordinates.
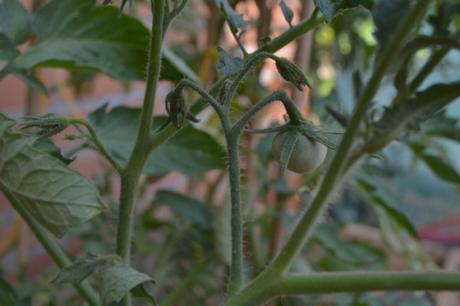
(306, 156)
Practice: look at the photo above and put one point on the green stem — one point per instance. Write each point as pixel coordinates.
(236, 270)
(333, 282)
(99, 144)
(307, 222)
(293, 33)
(130, 175)
(51, 247)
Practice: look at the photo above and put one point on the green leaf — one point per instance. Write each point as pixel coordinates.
(14, 21)
(287, 12)
(190, 151)
(58, 197)
(332, 8)
(117, 281)
(382, 199)
(8, 296)
(8, 49)
(288, 145)
(80, 269)
(351, 252)
(227, 65)
(387, 16)
(185, 207)
(236, 21)
(76, 34)
(440, 168)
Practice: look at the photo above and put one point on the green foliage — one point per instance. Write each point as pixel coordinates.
(14, 21)
(59, 198)
(190, 151)
(9, 296)
(331, 8)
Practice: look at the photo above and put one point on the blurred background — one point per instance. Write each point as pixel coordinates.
(412, 221)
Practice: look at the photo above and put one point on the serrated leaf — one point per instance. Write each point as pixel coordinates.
(190, 151)
(289, 142)
(380, 198)
(58, 197)
(117, 281)
(387, 16)
(76, 34)
(332, 8)
(227, 65)
(287, 12)
(14, 21)
(185, 207)
(79, 270)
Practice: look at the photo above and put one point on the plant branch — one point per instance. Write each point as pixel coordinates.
(293, 33)
(52, 248)
(99, 145)
(332, 282)
(205, 96)
(133, 170)
(289, 105)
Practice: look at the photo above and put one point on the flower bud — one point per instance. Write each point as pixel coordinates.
(291, 73)
(46, 125)
(176, 107)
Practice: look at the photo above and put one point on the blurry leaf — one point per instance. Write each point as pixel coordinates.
(387, 16)
(351, 252)
(14, 21)
(383, 200)
(409, 114)
(76, 34)
(174, 68)
(185, 207)
(58, 197)
(331, 8)
(116, 281)
(30, 80)
(8, 296)
(222, 230)
(287, 12)
(425, 41)
(82, 268)
(236, 21)
(8, 49)
(439, 167)
(227, 65)
(190, 151)
(443, 126)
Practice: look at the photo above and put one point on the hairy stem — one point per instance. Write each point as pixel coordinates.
(333, 282)
(236, 270)
(52, 248)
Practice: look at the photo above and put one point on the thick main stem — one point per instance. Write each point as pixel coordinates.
(335, 282)
(236, 272)
(133, 170)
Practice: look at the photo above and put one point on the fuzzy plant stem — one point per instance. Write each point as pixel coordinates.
(334, 282)
(131, 174)
(51, 247)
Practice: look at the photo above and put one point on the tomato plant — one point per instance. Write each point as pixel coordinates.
(221, 246)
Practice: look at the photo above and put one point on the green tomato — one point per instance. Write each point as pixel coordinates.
(306, 156)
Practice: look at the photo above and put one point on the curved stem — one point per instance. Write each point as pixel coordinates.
(206, 96)
(133, 170)
(333, 282)
(52, 248)
(97, 142)
(294, 114)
